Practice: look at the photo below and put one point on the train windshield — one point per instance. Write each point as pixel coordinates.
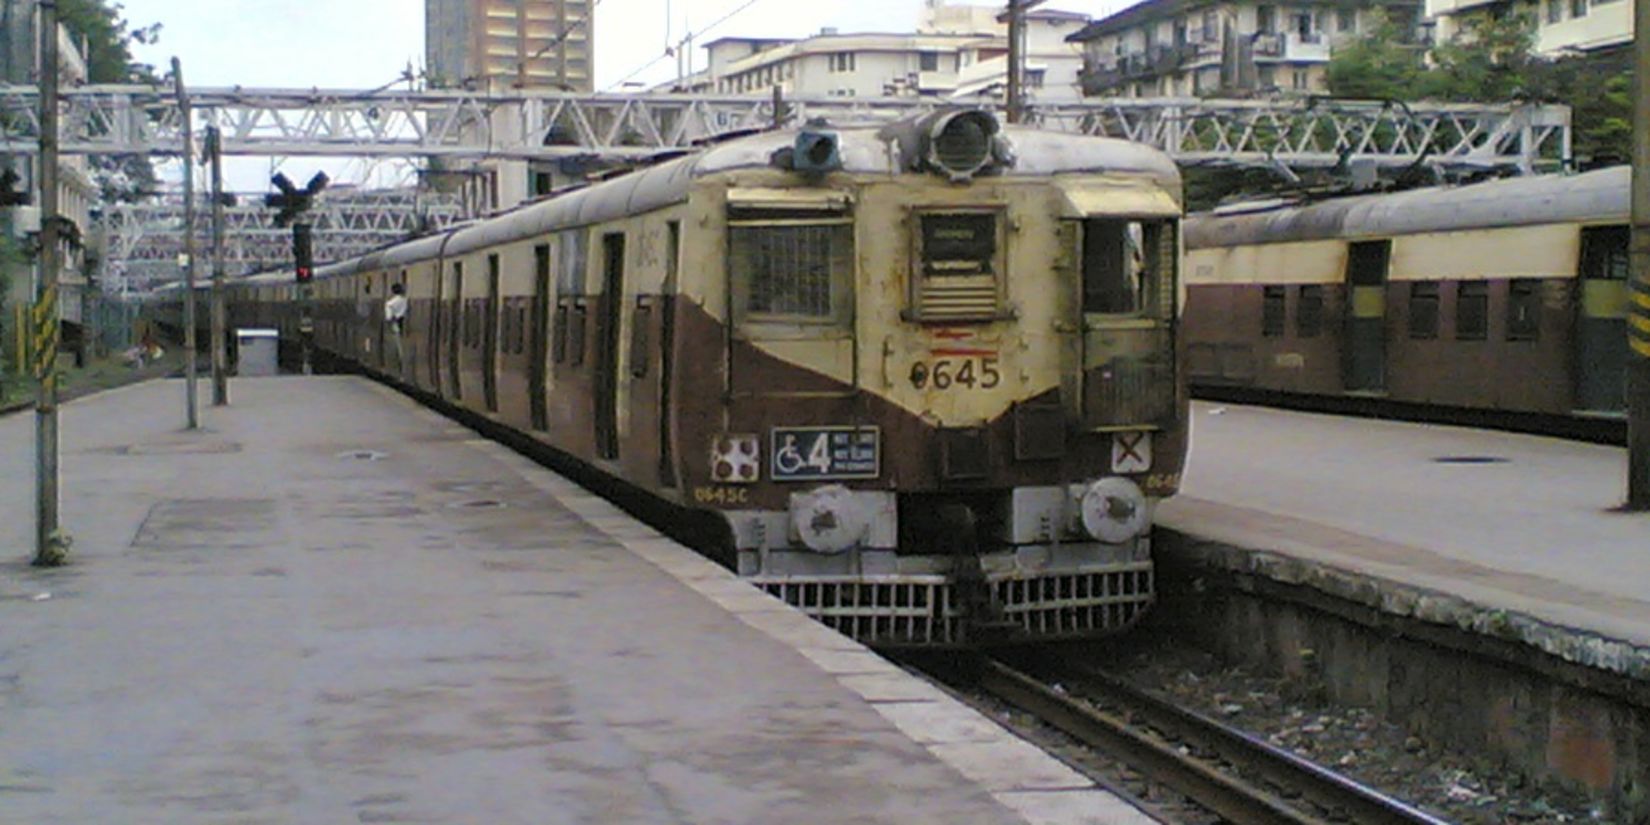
(1128, 266)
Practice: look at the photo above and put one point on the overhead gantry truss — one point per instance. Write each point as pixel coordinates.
(1293, 132)
(145, 240)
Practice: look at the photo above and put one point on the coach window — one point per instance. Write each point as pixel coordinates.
(1423, 310)
(1523, 310)
(790, 265)
(1309, 311)
(1472, 311)
(1274, 311)
(1128, 267)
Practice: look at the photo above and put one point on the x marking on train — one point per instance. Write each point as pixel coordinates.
(1128, 447)
(1131, 452)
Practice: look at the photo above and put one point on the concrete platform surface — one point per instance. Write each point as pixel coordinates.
(332, 605)
(1512, 523)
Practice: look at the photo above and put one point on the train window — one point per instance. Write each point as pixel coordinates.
(1309, 311)
(1423, 310)
(521, 325)
(641, 328)
(1274, 311)
(558, 348)
(1120, 259)
(1523, 310)
(794, 270)
(572, 252)
(1472, 311)
(1604, 252)
(576, 335)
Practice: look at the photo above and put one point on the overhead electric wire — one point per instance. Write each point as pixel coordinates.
(688, 39)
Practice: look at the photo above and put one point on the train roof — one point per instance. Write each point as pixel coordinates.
(863, 149)
(1600, 195)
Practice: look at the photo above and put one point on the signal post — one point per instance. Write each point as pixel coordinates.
(294, 203)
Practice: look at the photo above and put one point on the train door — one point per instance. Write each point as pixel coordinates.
(455, 331)
(667, 351)
(538, 353)
(432, 349)
(611, 304)
(1601, 320)
(1364, 355)
(490, 337)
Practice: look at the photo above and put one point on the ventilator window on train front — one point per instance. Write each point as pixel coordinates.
(791, 265)
(958, 264)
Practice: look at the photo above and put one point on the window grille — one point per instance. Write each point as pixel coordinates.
(1274, 311)
(1472, 311)
(1309, 311)
(1423, 310)
(1523, 310)
(791, 269)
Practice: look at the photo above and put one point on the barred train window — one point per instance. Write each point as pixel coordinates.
(1472, 311)
(1128, 267)
(963, 244)
(1523, 310)
(792, 269)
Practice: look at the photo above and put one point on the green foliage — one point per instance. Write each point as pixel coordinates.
(1491, 61)
(1379, 65)
(109, 60)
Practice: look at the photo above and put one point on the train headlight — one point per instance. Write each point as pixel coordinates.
(829, 519)
(1114, 510)
(961, 144)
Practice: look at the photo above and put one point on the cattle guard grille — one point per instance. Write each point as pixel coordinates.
(905, 611)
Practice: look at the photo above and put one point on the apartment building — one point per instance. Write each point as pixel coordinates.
(1178, 48)
(957, 52)
(501, 44)
(1562, 26)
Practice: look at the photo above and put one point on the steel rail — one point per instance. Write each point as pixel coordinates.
(1238, 800)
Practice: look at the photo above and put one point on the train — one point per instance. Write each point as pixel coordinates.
(925, 376)
(1502, 302)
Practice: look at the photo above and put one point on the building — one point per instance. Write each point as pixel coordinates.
(492, 45)
(502, 46)
(77, 191)
(1175, 48)
(1562, 26)
(957, 52)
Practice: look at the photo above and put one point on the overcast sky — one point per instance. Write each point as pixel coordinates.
(363, 44)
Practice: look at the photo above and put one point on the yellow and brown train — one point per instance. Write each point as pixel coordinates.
(1508, 297)
(925, 372)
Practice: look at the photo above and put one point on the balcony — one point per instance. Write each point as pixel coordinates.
(1160, 60)
(1292, 46)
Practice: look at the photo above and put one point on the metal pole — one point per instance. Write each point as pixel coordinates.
(220, 353)
(50, 545)
(188, 246)
(1638, 291)
(1016, 22)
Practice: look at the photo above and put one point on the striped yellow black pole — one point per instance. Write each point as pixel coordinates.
(51, 543)
(1638, 293)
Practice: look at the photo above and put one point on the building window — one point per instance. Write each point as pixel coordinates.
(1423, 310)
(1300, 79)
(842, 62)
(1211, 27)
(1274, 311)
(1266, 19)
(1346, 20)
(1309, 311)
(1523, 310)
(1555, 11)
(1578, 8)
(1268, 76)
(928, 61)
(1472, 311)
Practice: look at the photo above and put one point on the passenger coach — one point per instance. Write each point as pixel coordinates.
(1506, 296)
(925, 373)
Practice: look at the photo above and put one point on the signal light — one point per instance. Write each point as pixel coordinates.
(303, 252)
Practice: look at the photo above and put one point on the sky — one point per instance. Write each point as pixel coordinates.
(364, 44)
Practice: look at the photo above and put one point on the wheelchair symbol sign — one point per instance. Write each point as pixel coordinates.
(810, 453)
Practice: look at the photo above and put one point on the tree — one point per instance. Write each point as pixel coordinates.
(109, 60)
(1380, 65)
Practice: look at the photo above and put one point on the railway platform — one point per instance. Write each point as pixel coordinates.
(331, 604)
(1511, 536)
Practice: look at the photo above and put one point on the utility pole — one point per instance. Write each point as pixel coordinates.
(1016, 59)
(1638, 286)
(220, 354)
(188, 247)
(51, 546)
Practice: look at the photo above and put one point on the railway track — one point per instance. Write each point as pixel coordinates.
(1240, 777)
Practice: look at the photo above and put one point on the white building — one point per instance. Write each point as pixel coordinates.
(1562, 26)
(957, 52)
